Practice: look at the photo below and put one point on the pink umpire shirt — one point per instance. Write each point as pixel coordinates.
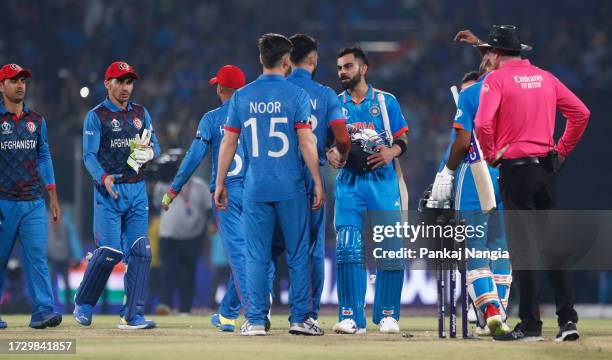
(518, 104)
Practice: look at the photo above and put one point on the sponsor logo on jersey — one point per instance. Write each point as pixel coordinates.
(374, 110)
(485, 88)
(137, 123)
(31, 127)
(116, 125)
(458, 114)
(7, 128)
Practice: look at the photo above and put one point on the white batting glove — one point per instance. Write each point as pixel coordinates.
(443, 185)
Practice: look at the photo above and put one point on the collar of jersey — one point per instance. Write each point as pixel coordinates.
(271, 77)
(346, 97)
(114, 108)
(516, 63)
(4, 110)
(301, 73)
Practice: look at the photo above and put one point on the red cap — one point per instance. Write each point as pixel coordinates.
(119, 69)
(229, 76)
(11, 71)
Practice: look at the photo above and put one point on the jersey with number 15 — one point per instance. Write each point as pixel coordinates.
(269, 111)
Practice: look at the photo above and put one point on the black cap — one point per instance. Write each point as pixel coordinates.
(504, 37)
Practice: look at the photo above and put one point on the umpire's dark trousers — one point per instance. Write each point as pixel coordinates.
(532, 187)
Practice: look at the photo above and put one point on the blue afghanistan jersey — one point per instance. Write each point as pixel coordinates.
(467, 106)
(25, 158)
(107, 132)
(268, 113)
(325, 108)
(366, 114)
(210, 133)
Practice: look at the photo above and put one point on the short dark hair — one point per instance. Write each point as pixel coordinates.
(303, 45)
(272, 47)
(357, 52)
(470, 76)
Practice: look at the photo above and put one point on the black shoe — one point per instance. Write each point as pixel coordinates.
(567, 332)
(520, 334)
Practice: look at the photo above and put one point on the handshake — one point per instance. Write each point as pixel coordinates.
(141, 151)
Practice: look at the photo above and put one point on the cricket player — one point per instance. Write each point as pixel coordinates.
(118, 140)
(375, 189)
(326, 115)
(210, 132)
(488, 280)
(274, 117)
(515, 125)
(26, 166)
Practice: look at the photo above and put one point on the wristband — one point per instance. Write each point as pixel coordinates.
(402, 144)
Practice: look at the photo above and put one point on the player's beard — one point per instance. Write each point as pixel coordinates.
(351, 83)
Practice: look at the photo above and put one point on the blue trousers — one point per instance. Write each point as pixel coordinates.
(119, 223)
(231, 230)
(28, 220)
(293, 217)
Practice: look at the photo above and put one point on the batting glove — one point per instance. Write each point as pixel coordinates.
(443, 185)
(167, 200)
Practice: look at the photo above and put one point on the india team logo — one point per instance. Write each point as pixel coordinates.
(6, 128)
(31, 126)
(137, 123)
(374, 110)
(116, 126)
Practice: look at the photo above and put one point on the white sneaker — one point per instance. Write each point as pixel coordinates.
(248, 329)
(389, 325)
(308, 327)
(482, 331)
(346, 326)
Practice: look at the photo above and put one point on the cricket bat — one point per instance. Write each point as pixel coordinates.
(479, 168)
(398, 169)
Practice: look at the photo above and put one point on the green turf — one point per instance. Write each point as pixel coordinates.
(193, 337)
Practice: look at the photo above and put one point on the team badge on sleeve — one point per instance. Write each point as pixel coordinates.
(137, 123)
(31, 126)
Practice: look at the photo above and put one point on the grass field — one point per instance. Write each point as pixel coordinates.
(193, 337)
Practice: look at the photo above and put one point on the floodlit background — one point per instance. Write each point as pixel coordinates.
(176, 46)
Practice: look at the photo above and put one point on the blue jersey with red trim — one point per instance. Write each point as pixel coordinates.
(268, 113)
(25, 158)
(107, 132)
(325, 107)
(367, 113)
(210, 133)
